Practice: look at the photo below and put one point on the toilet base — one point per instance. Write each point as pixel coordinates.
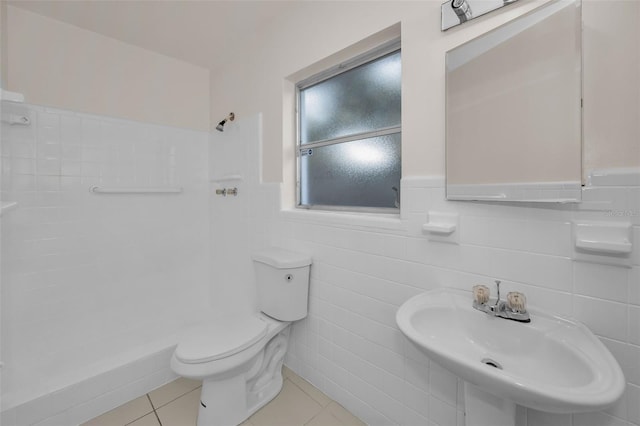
(232, 400)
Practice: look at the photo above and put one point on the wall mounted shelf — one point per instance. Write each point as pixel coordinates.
(442, 226)
(603, 237)
(604, 246)
(439, 228)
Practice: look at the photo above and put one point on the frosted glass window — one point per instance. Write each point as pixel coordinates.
(360, 100)
(349, 127)
(362, 173)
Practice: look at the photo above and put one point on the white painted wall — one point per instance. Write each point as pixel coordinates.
(611, 60)
(3, 16)
(312, 31)
(56, 64)
(3, 44)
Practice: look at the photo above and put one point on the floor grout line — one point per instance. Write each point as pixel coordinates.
(311, 419)
(151, 402)
(154, 410)
(174, 399)
(157, 417)
(303, 391)
(309, 395)
(138, 418)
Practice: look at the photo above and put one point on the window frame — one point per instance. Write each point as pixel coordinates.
(385, 49)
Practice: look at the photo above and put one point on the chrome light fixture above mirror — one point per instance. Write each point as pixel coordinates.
(456, 12)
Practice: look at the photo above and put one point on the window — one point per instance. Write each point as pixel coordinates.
(349, 134)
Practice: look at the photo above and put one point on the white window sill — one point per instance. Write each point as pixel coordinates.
(379, 221)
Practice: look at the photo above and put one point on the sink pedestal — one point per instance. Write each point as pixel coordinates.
(484, 409)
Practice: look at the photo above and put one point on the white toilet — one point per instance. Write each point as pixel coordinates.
(239, 358)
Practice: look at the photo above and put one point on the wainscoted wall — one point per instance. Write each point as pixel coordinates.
(363, 269)
(92, 282)
(366, 266)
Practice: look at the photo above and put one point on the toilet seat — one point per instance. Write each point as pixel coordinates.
(220, 338)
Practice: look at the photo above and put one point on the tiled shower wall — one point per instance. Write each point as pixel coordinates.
(92, 281)
(237, 223)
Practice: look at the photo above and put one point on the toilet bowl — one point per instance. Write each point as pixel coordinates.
(239, 360)
(239, 357)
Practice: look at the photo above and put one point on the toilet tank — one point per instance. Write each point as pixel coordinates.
(282, 278)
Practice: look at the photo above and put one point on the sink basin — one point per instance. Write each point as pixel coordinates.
(550, 364)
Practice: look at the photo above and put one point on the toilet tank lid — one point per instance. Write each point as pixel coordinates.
(281, 258)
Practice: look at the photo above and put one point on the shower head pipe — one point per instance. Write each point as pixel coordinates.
(220, 126)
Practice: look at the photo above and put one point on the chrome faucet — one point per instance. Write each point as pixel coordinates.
(514, 308)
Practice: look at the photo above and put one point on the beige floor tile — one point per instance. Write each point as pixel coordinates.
(292, 407)
(167, 393)
(148, 420)
(299, 403)
(342, 414)
(324, 418)
(124, 414)
(309, 389)
(182, 411)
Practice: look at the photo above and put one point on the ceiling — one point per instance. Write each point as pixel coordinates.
(205, 33)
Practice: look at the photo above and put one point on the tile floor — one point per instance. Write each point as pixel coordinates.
(176, 404)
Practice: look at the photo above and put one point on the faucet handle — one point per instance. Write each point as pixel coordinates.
(517, 302)
(481, 294)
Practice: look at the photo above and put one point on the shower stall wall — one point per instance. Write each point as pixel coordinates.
(93, 281)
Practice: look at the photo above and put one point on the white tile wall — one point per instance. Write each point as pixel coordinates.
(93, 282)
(363, 269)
(350, 347)
(237, 223)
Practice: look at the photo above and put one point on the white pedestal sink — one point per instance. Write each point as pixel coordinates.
(550, 364)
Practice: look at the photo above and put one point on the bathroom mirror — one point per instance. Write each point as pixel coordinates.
(513, 110)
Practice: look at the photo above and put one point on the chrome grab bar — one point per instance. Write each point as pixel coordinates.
(135, 190)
